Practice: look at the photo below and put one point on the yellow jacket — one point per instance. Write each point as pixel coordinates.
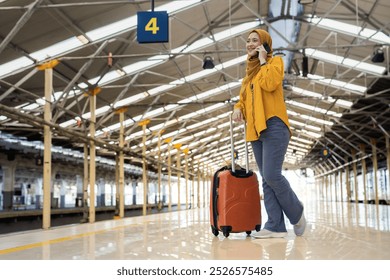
(263, 98)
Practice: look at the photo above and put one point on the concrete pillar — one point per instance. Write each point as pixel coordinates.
(63, 184)
(8, 185)
(1, 188)
(79, 185)
(100, 194)
(113, 188)
(134, 186)
(38, 192)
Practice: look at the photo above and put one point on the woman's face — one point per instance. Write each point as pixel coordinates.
(252, 43)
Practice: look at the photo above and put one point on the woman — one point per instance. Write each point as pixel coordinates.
(262, 106)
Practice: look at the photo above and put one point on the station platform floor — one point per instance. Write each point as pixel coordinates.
(335, 231)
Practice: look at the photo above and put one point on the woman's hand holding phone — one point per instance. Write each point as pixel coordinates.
(262, 54)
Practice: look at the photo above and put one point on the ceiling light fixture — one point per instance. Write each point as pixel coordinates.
(378, 56)
(305, 66)
(208, 62)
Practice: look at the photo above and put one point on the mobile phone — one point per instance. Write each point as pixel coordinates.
(267, 48)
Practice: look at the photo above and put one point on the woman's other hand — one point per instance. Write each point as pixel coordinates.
(237, 115)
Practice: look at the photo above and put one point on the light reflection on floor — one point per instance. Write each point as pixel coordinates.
(335, 231)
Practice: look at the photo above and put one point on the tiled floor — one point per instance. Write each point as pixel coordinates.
(335, 231)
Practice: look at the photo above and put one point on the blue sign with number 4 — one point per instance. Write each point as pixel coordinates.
(152, 27)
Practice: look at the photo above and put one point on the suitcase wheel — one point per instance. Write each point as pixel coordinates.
(226, 230)
(258, 227)
(248, 232)
(214, 230)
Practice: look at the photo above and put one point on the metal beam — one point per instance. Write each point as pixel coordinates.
(21, 22)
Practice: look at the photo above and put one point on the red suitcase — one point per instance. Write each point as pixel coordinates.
(235, 198)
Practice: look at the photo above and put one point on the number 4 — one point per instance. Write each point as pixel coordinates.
(152, 25)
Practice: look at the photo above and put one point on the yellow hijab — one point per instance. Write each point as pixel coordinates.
(253, 64)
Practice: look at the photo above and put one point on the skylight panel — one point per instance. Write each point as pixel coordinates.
(339, 102)
(56, 49)
(214, 107)
(151, 113)
(176, 6)
(188, 116)
(96, 34)
(68, 123)
(220, 36)
(98, 112)
(235, 30)
(115, 27)
(350, 29)
(202, 43)
(108, 77)
(200, 74)
(232, 62)
(131, 99)
(141, 65)
(159, 89)
(316, 128)
(312, 108)
(15, 64)
(200, 123)
(311, 134)
(31, 106)
(347, 62)
(174, 133)
(310, 118)
(339, 84)
(309, 142)
(293, 143)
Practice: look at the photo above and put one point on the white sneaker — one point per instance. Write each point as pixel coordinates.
(299, 228)
(265, 233)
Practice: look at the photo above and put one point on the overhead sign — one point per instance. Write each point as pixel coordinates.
(152, 27)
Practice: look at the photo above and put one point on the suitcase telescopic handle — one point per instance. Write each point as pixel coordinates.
(232, 146)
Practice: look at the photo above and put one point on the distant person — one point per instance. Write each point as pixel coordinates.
(262, 107)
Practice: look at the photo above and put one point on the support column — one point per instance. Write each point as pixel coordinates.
(198, 192)
(204, 176)
(144, 123)
(185, 151)
(8, 185)
(168, 141)
(92, 153)
(100, 192)
(347, 181)
(341, 184)
(178, 166)
(355, 182)
(62, 184)
(364, 171)
(335, 185)
(121, 171)
(160, 202)
(134, 186)
(85, 186)
(47, 136)
(388, 167)
(38, 192)
(375, 168)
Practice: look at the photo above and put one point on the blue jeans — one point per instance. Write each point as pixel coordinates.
(279, 198)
